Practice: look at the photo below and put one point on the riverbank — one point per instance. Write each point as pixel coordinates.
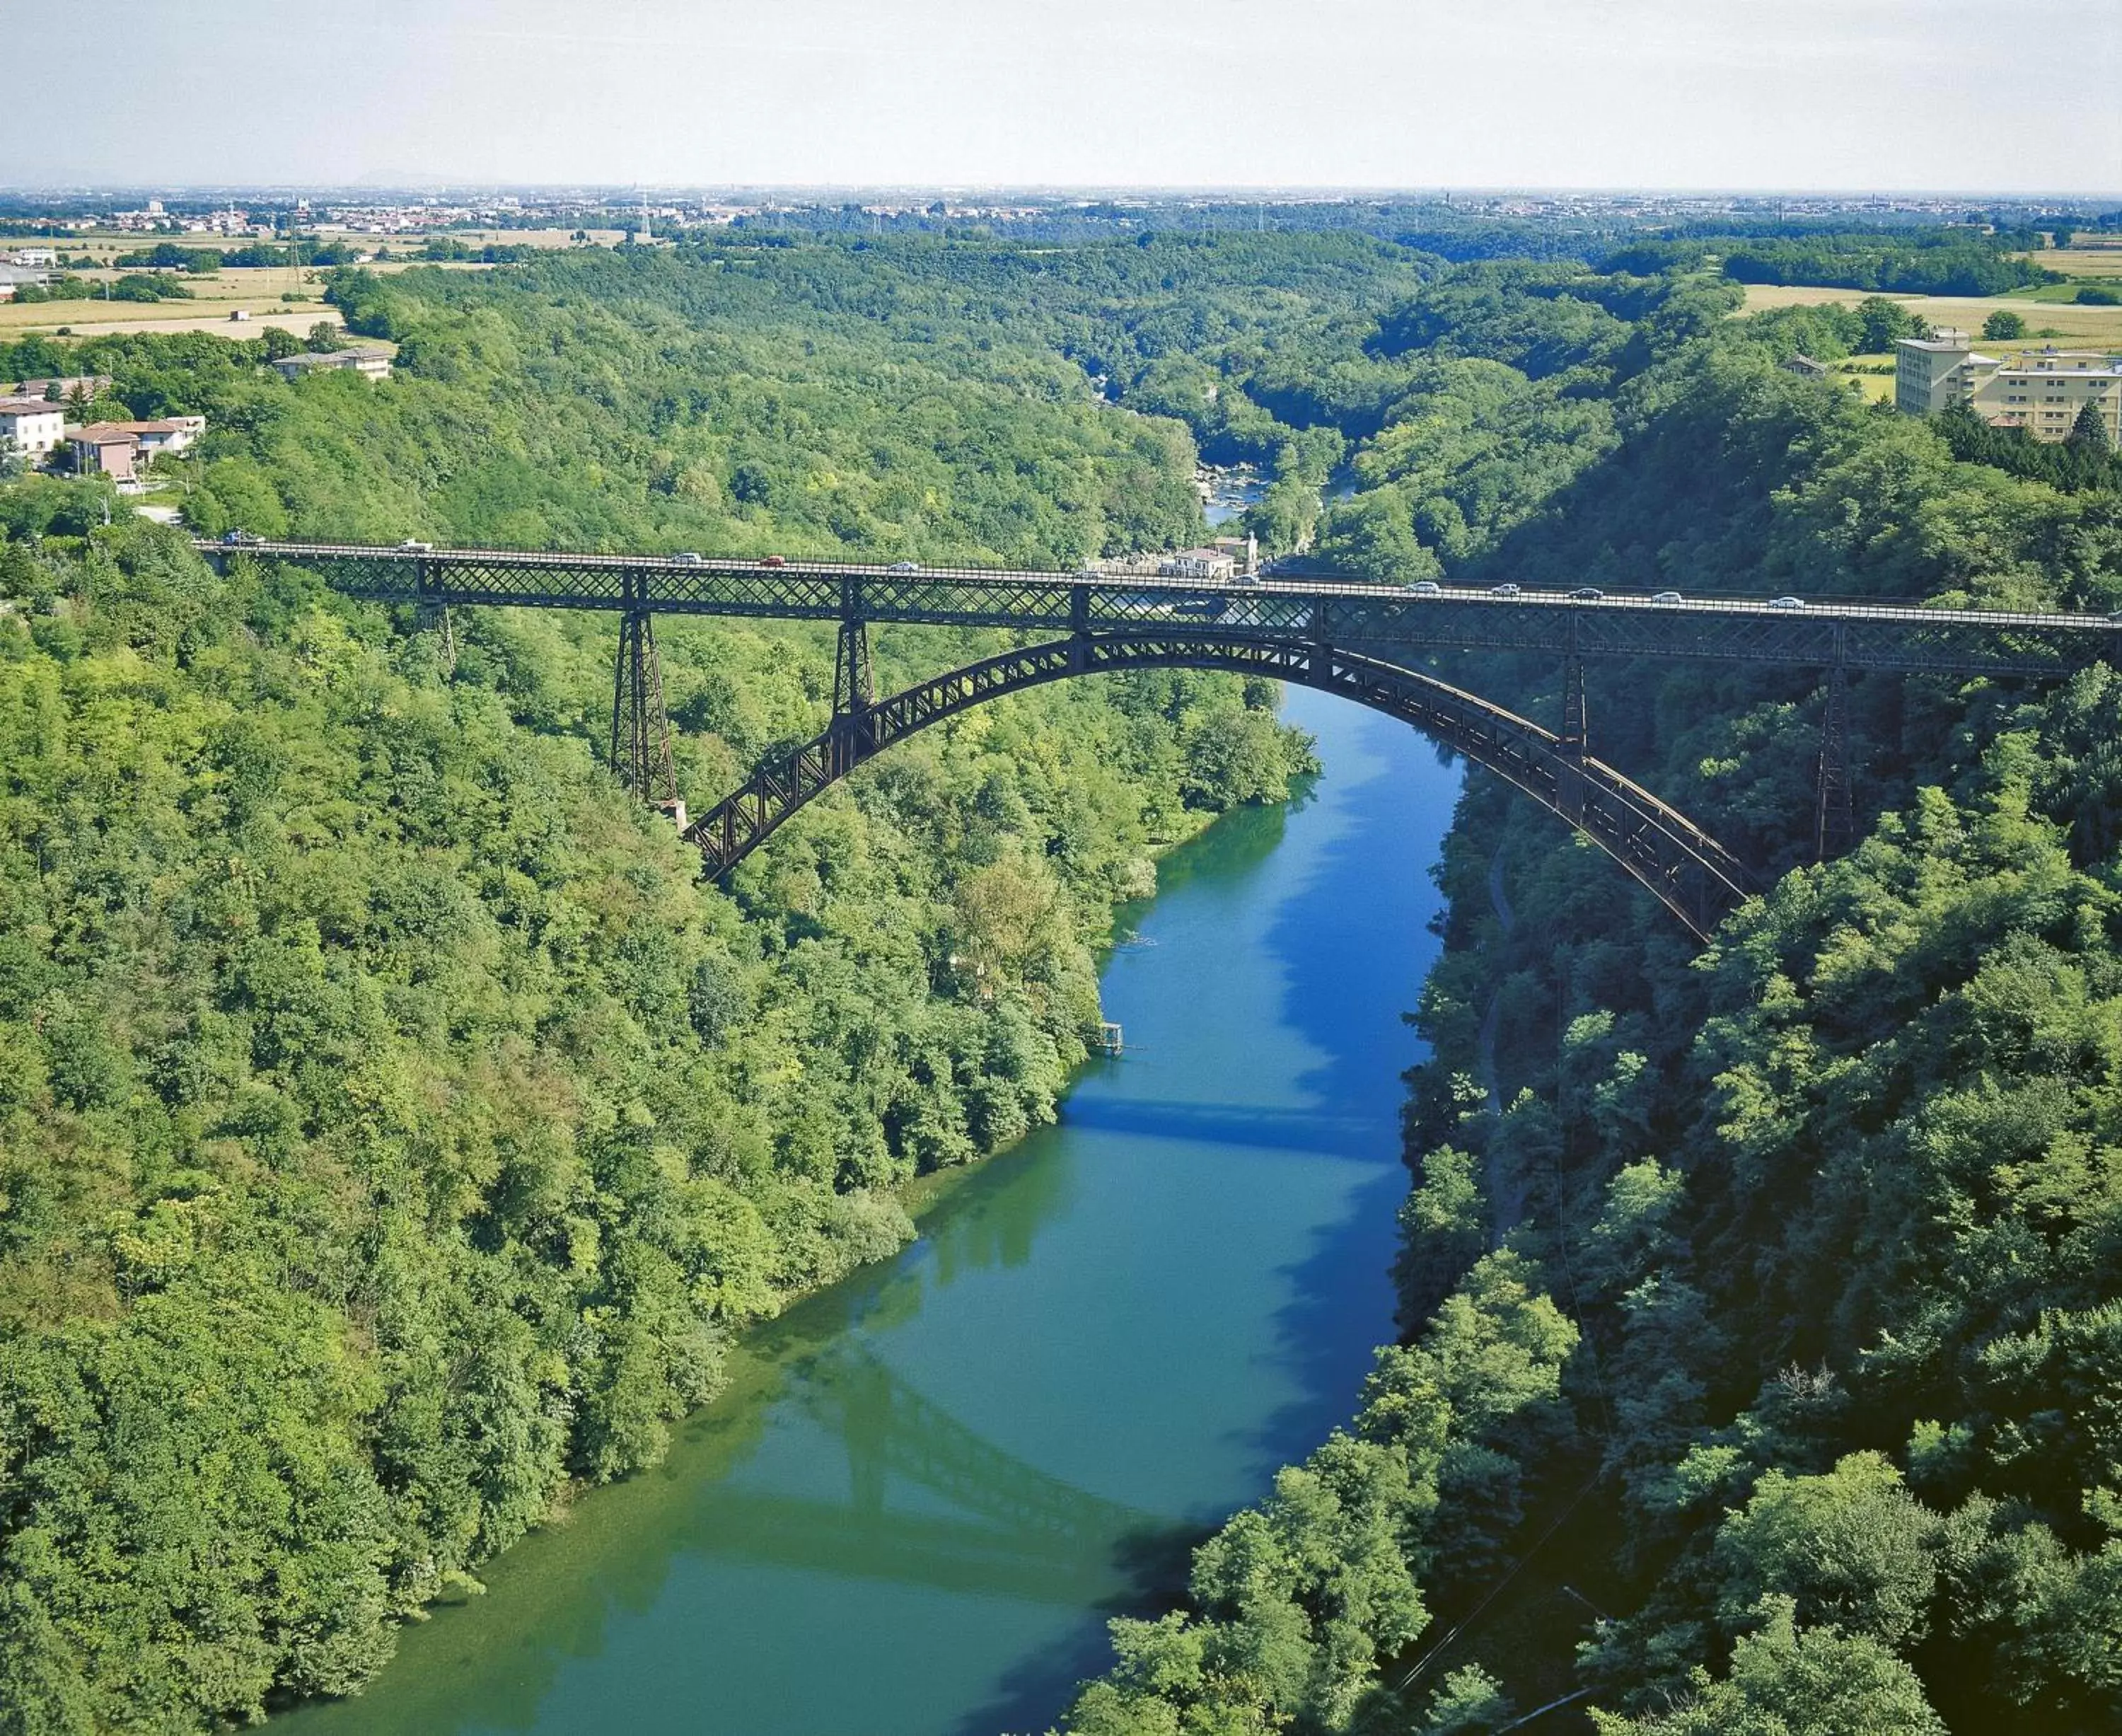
(959, 1462)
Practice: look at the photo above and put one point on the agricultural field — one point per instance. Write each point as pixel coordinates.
(2093, 328)
(256, 292)
(1865, 371)
(259, 291)
(2081, 262)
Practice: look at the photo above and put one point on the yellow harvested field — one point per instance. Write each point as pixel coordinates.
(88, 319)
(2099, 328)
(255, 290)
(2081, 262)
(212, 300)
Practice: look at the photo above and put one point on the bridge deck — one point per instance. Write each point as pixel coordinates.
(1860, 634)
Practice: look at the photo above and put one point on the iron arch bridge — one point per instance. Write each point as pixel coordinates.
(1358, 640)
(1692, 874)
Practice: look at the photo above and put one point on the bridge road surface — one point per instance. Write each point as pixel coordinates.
(1820, 632)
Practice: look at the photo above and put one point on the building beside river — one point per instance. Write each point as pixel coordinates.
(1198, 564)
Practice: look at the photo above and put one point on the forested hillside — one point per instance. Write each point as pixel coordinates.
(1778, 1304)
(392, 1127)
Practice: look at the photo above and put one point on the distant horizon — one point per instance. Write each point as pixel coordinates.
(1814, 97)
(1292, 193)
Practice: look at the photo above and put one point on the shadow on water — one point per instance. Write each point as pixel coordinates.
(1222, 1124)
(870, 1475)
(1361, 918)
(491, 1663)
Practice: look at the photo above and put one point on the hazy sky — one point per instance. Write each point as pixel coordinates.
(2002, 95)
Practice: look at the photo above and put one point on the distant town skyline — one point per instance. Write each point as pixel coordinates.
(1668, 95)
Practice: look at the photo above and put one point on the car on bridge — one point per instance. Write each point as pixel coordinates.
(687, 558)
(1587, 594)
(1668, 596)
(1505, 590)
(239, 540)
(774, 561)
(1786, 602)
(1427, 588)
(906, 566)
(413, 545)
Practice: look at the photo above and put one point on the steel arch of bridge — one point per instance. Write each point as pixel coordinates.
(1340, 637)
(1687, 870)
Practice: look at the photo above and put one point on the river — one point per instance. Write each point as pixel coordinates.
(929, 1485)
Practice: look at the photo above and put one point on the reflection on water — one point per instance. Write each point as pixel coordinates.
(928, 1487)
(1005, 1527)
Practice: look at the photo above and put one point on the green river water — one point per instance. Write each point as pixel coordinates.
(929, 1486)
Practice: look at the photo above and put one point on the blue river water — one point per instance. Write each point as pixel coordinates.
(929, 1486)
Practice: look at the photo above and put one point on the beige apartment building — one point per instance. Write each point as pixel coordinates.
(2042, 392)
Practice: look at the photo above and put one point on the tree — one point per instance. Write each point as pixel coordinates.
(2089, 432)
(1787, 1681)
(1468, 1702)
(1852, 1547)
(1883, 321)
(324, 335)
(2004, 324)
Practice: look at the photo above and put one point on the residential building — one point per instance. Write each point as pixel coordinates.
(59, 387)
(13, 277)
(1934, 372)
(2042, 392)
(169, 434)
(120, 448)
(33, 425)
(103, 448)
(1198, 564)
(1804, 365)
(1244, 552)
(374, 364)
(46, 257)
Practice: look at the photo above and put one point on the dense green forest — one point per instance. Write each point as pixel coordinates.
(1937, 262)
(395, 1130)
(1776, 1299)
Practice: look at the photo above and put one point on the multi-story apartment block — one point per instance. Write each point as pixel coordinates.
(31, 426)
(1934, 372)
(2042, 393)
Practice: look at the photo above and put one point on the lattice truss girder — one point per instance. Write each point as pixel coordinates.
(1740, 630)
